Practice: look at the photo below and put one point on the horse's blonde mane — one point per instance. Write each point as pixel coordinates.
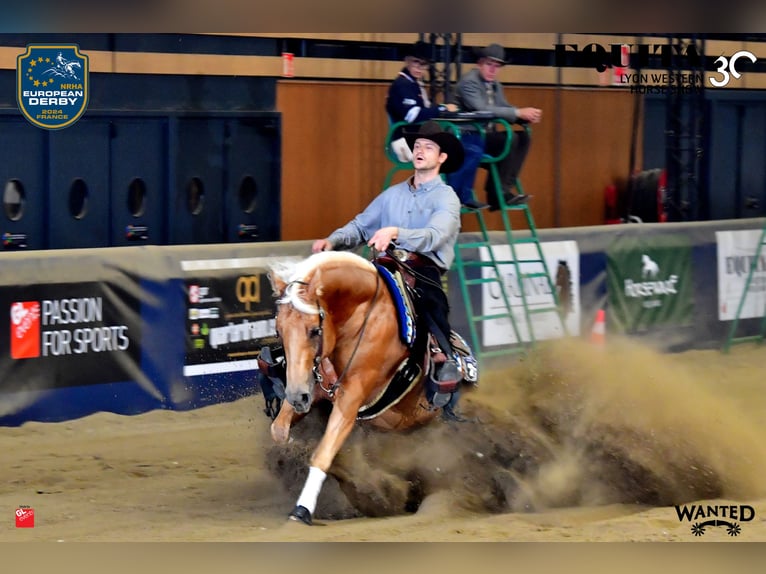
(293, 272)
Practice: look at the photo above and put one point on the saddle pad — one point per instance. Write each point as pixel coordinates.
(405, 312)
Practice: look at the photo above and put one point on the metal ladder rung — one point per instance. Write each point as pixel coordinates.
(532, 239)
(502, 262)
(479, 263)
(535, 274)
(519, 261)
(749, 339)
(473, 245)
(478, 318)
(482, 281)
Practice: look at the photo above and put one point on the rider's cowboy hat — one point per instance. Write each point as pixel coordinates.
(493, 52)
(419, 50)
(447, 143)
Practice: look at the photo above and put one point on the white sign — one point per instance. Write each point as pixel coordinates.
(736, 250)
(728, 66)
(563, 261)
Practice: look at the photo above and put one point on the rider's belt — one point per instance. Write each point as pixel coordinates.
(413, 259)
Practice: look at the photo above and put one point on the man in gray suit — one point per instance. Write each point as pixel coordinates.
(479, 90)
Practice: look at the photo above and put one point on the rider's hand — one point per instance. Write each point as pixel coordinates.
(383, 237)
(321, 245)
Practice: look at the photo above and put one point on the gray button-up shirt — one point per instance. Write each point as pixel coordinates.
(428, 218)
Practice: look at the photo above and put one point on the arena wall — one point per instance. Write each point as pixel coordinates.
(131, 329)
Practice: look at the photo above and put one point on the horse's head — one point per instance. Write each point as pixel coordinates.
(323, 304)
(302, 327)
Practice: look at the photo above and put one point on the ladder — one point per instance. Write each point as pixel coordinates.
(492, 274)
(732, 339)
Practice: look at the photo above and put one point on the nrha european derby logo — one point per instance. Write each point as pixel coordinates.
(52, 84)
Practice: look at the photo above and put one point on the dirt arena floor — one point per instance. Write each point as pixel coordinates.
(573, 443)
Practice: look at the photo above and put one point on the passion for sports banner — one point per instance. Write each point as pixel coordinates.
(68, 334)
(650, 283)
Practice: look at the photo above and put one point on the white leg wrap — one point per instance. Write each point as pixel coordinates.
(310, 492)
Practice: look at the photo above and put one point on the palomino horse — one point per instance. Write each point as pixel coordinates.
(335, 315)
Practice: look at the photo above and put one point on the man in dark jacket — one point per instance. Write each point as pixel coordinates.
(408, 99)
(479, 90)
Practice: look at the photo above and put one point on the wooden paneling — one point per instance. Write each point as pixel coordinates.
(333, 162)
(596, 135)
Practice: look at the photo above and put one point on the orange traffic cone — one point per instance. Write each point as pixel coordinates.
(598, 333)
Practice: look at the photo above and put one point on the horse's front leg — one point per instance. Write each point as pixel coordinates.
(280, 426)
(339, 426)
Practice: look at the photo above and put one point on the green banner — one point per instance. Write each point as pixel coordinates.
(650, 283)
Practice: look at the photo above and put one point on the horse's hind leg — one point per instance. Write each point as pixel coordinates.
(338, 428)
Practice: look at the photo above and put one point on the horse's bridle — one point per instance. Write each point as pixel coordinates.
(316, 369)
(318, 377)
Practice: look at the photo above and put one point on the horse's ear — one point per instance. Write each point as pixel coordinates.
(277, 284)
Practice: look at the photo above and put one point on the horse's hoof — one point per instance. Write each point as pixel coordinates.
(301, 513)
(279, 434)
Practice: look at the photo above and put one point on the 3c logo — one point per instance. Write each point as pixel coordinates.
(730, 63)
(249, 290)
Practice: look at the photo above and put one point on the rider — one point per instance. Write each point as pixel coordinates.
(421, 217)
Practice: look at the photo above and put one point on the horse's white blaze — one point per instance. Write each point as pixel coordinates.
(310, 492)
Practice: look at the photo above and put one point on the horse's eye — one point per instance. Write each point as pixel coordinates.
(315, 332)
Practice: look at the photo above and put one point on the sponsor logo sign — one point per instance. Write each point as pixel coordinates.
(736, 255)
(61, 335)
(52, 84)
(563, 261)
(649, 284)
(230, 315)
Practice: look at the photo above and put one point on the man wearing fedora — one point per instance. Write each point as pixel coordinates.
(479, 90)
(421, 218)
(408, 99)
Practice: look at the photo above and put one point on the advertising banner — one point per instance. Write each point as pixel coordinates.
(62, 335)
(563, 261)
(736, 250)
(229, 314)
(650, 283)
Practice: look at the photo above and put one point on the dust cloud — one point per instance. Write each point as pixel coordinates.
(568, 425)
